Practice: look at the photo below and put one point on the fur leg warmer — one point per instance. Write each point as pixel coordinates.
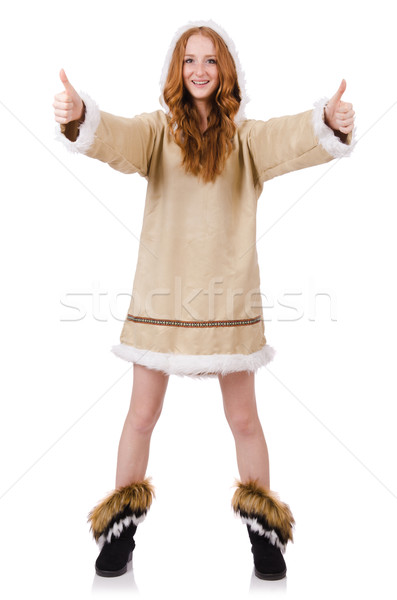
(269, 523)
(114, 522)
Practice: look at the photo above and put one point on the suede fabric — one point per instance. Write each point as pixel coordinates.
(269, 562)
(114, 556)
(196, 290)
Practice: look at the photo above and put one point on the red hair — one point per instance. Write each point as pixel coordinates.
(203, 154)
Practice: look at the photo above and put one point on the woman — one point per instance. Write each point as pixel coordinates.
(194, 309)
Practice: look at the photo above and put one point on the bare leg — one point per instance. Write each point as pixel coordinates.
(239, 402)
(148, 391)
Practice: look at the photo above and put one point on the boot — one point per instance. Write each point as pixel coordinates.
(269, 523)
(114, 522)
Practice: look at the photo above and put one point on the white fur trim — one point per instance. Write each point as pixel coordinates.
(270, 535)
(118, 527)
(240, 116)
(326, 137)
(197, 365)
(87, 128)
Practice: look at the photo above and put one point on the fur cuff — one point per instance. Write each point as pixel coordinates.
(120, 508)
(87, 129)
(326, 136)
(264, 513)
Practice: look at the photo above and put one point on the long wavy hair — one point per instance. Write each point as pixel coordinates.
(205, 154)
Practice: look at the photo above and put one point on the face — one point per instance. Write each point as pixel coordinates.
(200, 70)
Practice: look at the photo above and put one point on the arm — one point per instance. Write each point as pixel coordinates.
(294, 142)
(126, 144)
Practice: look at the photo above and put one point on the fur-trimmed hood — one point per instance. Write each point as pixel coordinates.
(240, 116)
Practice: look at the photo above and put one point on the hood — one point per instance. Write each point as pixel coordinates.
(240, 116)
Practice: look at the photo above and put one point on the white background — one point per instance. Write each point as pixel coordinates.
(327, 402)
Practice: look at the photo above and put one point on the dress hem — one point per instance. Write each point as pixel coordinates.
(196, 365)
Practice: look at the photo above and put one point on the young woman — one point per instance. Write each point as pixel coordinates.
(195, 309)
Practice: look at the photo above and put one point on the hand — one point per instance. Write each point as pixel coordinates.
(68, 106)
(339, 115)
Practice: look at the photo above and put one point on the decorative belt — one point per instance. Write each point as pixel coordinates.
(176, 323)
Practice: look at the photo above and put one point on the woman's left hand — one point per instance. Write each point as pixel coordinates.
(339, 115)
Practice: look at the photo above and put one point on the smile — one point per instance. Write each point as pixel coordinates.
(200, 82)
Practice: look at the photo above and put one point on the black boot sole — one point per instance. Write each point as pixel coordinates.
(114, 573)
(270, 576)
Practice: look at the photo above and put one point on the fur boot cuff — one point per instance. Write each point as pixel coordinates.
(120, 508)
(264, 513)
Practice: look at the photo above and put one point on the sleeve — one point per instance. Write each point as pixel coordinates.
(293, 142)
(125, 144)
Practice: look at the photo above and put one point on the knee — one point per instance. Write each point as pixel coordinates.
(142, 420)
(242, 424)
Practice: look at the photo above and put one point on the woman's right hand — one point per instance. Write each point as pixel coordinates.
(68, 106)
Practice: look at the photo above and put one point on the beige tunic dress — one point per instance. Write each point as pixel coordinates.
(196, 300)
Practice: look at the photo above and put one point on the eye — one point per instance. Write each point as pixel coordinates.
(188, 60)
(212, 61)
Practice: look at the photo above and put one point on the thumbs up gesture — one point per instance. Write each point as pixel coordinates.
(68, 106)
(339, 115)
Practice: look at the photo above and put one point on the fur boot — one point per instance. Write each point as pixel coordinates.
(114, 522)
(269, 523)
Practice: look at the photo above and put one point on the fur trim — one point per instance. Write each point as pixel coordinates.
(87, 128)
(326, 137)
(240, 116)
(196, 365)
(260, 530)
(253, 501)
(137, 497)
(119, 526)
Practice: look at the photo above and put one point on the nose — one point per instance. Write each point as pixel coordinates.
(199, 68)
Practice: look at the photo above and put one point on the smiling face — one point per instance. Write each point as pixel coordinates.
(200, 70)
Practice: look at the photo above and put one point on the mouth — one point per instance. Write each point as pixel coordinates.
(199, 83)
